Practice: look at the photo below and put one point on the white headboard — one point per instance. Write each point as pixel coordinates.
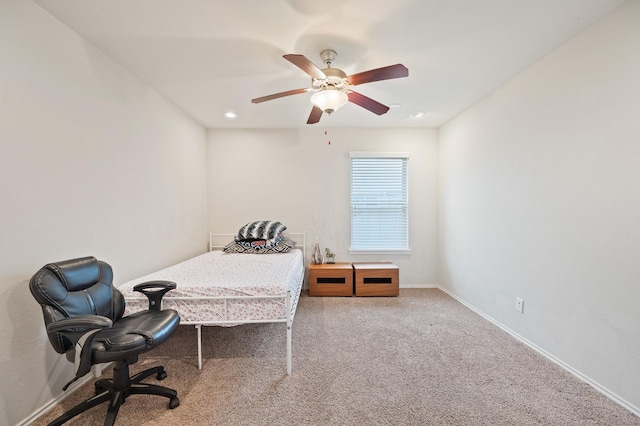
(218, 241)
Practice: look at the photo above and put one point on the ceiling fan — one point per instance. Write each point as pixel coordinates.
(332, 86)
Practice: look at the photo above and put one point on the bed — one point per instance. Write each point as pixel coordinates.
(221, 288)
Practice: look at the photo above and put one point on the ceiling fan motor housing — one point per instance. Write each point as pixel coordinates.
(335, 77)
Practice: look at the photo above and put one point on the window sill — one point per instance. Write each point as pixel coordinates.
(379, 251)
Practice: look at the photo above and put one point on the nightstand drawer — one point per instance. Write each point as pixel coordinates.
(331, 279)
(376, 279)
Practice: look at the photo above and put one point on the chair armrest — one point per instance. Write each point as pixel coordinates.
(80, 330)
(70, 325)
(155, 297)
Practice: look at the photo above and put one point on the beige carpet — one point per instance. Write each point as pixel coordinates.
(418, 359)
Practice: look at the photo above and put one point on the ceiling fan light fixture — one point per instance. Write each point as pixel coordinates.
(329, 100)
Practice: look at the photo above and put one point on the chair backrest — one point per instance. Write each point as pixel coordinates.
(82, 286)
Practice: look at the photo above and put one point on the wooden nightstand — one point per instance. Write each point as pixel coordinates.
(376, 279)
(331, 279)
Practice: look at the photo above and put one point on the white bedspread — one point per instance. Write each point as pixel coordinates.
(216, 274)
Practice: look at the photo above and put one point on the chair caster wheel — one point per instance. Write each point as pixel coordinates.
(161, 375)
(174, 402)
(99, 389)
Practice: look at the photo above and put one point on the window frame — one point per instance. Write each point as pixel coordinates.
(381, 155)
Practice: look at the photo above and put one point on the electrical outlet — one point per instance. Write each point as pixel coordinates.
(519, 305)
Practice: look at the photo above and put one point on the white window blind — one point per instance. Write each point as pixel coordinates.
(379, 202)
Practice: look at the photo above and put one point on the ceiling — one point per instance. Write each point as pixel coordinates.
(213, 56)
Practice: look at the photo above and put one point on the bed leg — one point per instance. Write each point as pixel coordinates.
(288, 349)
(199, 332)
(289, 323)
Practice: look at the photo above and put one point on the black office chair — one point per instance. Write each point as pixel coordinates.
(83, 314)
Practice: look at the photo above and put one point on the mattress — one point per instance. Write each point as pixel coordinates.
(218, 288)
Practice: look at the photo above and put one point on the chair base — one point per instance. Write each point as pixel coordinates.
(117, 390)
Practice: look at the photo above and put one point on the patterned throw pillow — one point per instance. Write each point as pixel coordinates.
(284, 246)
(257, 244)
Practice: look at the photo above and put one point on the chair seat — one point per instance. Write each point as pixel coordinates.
(134, 334)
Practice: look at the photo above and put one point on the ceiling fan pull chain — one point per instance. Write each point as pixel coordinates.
(328, 140)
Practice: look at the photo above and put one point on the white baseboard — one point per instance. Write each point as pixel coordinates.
(603, 390)
(97, 372)
(419, 286)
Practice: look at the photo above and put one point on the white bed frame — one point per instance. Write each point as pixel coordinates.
(290, 301)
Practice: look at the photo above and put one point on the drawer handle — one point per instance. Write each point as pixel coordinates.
(376, 280)
(330, 280)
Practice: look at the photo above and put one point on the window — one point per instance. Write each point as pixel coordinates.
(379, 202)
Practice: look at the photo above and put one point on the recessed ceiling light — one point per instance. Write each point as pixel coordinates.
(394, 106)
(416, 114)
(230, 114)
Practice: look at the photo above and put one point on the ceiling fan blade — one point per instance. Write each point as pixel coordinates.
(384, 73)
(315, 115)
(278, 95)
(367, 103)
(306, 65)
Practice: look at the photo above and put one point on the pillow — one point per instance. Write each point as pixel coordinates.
(261, 230)
(284, 246)
(257, 244)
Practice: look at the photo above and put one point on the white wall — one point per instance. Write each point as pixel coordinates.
(539, 199)
(92, 162)
(538, 193)
(298, 178)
